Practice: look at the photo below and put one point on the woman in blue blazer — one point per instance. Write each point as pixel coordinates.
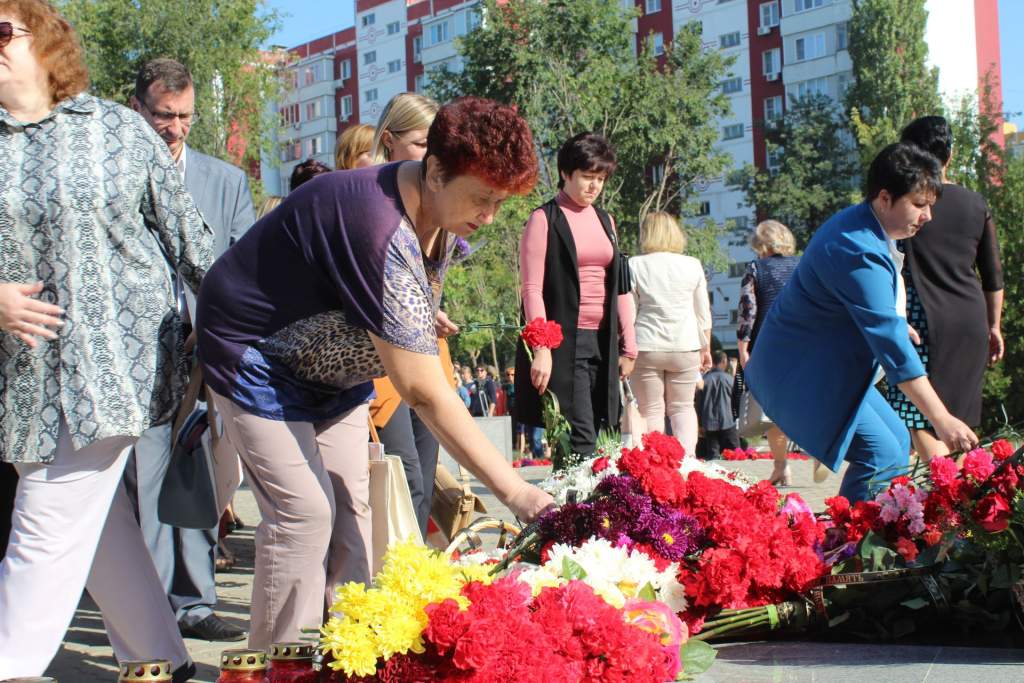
(836, 321)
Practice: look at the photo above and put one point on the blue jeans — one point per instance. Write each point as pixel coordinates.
(881, 443)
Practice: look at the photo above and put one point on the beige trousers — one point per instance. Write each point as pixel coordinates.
(300, 472)
(664, 382)
(73, 527)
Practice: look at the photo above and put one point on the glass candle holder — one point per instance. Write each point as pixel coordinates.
(292, 663)
(150, 671)
(243, 666)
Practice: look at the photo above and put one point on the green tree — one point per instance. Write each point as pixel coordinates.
(218, 40)
(892, 83)
(571, 66)
(817, 171)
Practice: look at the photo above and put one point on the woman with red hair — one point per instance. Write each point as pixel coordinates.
(94, 217)
(337, 286)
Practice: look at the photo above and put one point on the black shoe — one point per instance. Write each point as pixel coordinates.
(212, 628)
(183, 673)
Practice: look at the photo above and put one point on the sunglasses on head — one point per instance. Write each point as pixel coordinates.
(7, 32)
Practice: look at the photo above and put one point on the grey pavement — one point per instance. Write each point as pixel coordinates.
(86, 656)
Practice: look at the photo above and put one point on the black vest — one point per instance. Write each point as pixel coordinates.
(561, 292)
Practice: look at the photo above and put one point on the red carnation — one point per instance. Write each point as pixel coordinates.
(1002, 449)
(906, 548)
(978, 464)
(542, 333)
(600, 465)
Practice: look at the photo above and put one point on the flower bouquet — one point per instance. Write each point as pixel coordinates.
(548, 334)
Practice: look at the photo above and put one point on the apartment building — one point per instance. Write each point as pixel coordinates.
(782, 49)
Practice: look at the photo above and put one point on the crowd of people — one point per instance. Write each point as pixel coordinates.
(134, 268)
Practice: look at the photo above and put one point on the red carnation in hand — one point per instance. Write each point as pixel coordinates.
(542, 333)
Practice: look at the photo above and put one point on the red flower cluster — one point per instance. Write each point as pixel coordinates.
(564, 635)
(759, 555)
(853, 521)
(656, 467)
(541, 332)
(753, 454)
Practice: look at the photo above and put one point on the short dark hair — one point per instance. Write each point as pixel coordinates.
(902, 168)
(306, 171)
(171, 73)
(586, 152)
(932, 134)
(721, 357)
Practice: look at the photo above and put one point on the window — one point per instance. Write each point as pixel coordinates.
(369, 57)
(658, 40)
(313, 110)
(370, 95)
(652, 6)
(420, 83)
(291, 151)
(346, 107)
(740, 223)
(771, 61)
(394, 66)
(394, 27)
(814, 86)
(769, 14)
(734, 317)
(735, 177)
(732, 132)
(439, 33)
(369, 19)
(346, 69)
(657, 173)
(809, 47)
(473, 19)
(731, 85)
(804, 5)
(773, 108)
(729, 39)
(417, 49)
(774, 159)
(843, 35)
(703, 209)
(737, 269)
(316, 146)
(842, 84)
(289, 114)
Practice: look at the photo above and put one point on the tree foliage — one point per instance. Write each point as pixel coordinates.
(218, 40)
(817, 172)
(892, 83)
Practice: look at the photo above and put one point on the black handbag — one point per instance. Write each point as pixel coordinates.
(622, 258)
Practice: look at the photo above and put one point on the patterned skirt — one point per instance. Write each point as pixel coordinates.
(907, 411)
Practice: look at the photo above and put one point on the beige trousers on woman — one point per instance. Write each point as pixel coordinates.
(300, 473)
(664, 381)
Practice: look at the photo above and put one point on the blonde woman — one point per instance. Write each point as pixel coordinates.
(402, 129)
(354, 148)
(269, 203)
(673, 328)
(765, 277)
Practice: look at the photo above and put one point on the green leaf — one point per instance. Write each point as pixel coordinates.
(915, 603)
(648, 593)
(572, 569)
(696, 656)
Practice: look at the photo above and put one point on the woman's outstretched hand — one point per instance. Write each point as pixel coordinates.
(955, 434)
(528, 502)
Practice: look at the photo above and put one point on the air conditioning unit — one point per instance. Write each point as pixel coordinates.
(764, 30)
(773, 76)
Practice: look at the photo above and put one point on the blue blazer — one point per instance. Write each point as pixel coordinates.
(829, 329)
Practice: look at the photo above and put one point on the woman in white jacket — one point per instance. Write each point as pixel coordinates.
(673, 328)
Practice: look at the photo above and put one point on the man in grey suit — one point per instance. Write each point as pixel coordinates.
(185, 558)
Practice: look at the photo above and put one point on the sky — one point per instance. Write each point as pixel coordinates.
(309, 19)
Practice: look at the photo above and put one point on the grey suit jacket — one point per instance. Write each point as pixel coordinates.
(221, 193)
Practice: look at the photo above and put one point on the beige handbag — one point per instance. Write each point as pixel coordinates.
(454, 502)
(391, 510)
(751, 421)
(634, 426)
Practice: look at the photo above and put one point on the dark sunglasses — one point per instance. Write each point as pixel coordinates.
(7, 30)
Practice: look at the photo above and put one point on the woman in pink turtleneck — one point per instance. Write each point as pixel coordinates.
(569, 272)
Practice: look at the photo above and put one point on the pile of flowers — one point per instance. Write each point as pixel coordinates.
(728, 543)
(751, 453)
(430, 620)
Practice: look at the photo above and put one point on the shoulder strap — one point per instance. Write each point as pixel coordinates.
(606, 223)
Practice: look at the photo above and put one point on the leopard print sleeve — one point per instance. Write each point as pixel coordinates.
(409, 303)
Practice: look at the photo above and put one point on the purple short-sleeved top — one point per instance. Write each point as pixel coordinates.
(283, 316)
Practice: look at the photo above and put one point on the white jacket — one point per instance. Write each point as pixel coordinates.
(671, 296)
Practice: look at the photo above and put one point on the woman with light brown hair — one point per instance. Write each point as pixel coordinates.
(94, 217)
(354, 148)
(673, 328)
(765, 277)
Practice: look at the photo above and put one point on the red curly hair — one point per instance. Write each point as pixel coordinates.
(477, 136)
(54, 43)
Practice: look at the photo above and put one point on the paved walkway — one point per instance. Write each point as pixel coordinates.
(86, 656)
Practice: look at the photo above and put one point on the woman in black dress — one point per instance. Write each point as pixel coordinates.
(955, 310)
